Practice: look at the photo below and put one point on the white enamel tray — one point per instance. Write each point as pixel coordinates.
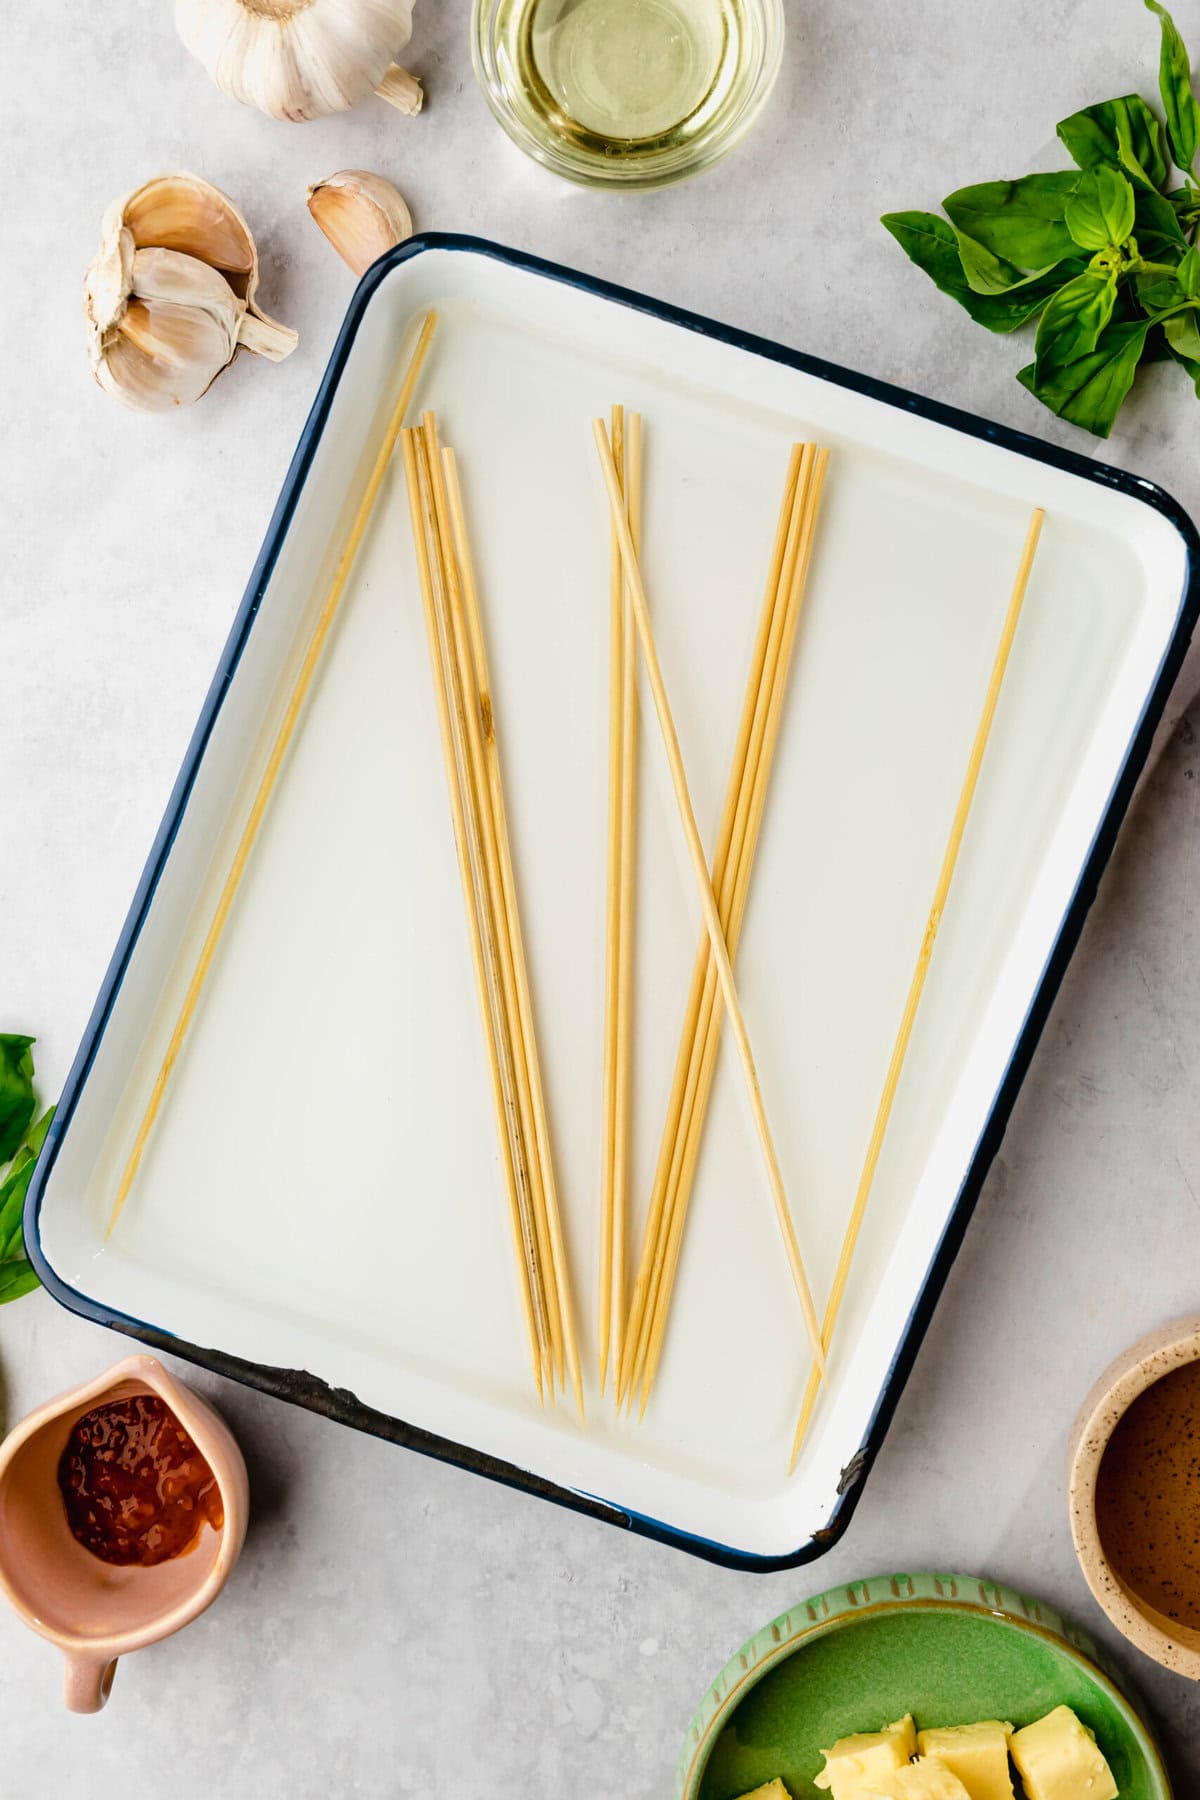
(351, 1249)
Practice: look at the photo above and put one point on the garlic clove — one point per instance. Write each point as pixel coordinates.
(172, 334)
(192, 345)
(163, 356)
(300, 59)
(361, 214)
(134, 379)
(171, 275)
(181, 212)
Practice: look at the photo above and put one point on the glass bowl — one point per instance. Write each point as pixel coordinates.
(627, 93)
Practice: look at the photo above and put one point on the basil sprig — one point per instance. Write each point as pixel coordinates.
(1102, 255)
(21, 1141)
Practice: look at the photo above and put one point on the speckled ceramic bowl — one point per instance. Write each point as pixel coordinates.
(948, 1648)
(1173, 1645)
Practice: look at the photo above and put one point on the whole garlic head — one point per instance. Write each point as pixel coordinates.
(301, 59)
(171, 296)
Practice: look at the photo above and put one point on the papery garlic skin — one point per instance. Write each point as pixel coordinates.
(302, 59)
(164, 318)
(361, 214)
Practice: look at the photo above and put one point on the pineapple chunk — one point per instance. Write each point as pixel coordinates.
(774, 1790)
(857, 1766)
(924, 1779)
(977, 1754)
(1059, 1760)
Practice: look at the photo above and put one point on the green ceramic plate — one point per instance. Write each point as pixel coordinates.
(947, 1648)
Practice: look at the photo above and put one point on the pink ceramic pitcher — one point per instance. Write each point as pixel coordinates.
(95, 1611)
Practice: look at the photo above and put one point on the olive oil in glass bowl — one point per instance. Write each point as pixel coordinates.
(627, 93)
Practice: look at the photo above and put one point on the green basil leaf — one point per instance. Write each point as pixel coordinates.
(1124, 133)
(13, 1190)
(1183, 334)
(1190, 366)
(988, 274)
(1100, 212)
(1163, 286)
(1175, 86)
(933, 245)
(1021, 221)
(16, 1092)
(1157, 224)
(985, 272)
(16, 1278)
(1091, 390)
(1071, 325)
(12, 1203)
(37, 1136)
(15, 1186)
(1157, 291)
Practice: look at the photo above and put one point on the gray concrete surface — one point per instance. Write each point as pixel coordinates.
(490, 1645)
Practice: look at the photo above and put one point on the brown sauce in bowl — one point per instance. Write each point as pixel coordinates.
(135, 1487)
(1148, 1497)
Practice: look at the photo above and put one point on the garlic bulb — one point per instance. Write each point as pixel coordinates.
(361, 214)
(171, 296)
(300, 59)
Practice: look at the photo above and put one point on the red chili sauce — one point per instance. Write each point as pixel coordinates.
(135, 1487)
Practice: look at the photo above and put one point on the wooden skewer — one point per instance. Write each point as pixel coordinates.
(612, 921)
(283, 738)
(464, 703)
(427, 546)
(649, 1265)
(732, 892)
(704, 885)
(704, 973)
(736, 888)
(917, 986)
(621, 1119)
(483, 690)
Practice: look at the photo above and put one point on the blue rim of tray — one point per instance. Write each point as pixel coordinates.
(308, 1390)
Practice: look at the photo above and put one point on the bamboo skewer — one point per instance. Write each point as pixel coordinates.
(704, 885)
(736, 886)
(483, 949)
(612, 919)
(512, 920)
(649, 1267)
(462, 686)
(747, 797)
(463, 689)
(628, 856)
(762, 675)
(704, 972)
(283, 738)
(924, 956)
